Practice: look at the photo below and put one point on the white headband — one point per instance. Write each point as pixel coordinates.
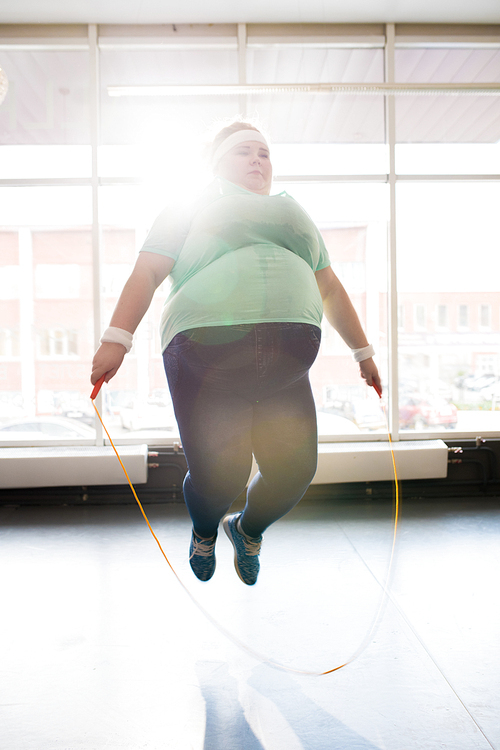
(241, 136)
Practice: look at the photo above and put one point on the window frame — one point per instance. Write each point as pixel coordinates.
(243, 37)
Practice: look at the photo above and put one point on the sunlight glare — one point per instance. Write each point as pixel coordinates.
(171, 165)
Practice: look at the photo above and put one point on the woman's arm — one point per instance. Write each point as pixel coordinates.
(340, 313)
(148, 273)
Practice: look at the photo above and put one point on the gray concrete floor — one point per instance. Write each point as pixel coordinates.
(101, 648)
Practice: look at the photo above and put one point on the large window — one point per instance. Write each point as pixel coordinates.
(47, 311)
(388, 136)
(448, 272)
(447, 152)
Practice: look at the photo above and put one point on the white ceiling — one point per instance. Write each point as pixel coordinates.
(250, 11)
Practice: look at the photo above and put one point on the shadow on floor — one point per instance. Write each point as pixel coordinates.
(228, 729)
(315, 728)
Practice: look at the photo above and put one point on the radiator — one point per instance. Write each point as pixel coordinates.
(337, 463)
(71, 466)
(372, 462)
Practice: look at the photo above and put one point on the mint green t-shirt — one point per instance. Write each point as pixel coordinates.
(239, 258)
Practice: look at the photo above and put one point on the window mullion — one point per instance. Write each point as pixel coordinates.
(390, 135)
(96, 234)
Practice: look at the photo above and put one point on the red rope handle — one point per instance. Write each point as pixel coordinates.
(97, 388)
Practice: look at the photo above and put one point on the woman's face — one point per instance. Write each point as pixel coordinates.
(249, 166)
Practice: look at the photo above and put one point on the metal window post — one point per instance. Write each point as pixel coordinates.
(242, 65)
(390, 135)
(96, 234)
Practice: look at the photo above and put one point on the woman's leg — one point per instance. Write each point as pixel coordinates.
(284, 430)
(251, 393)
(214, 423)
(215, 437)
(284, 439)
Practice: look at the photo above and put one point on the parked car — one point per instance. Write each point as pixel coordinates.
(45, 428)
(11, 405)
(491, 392)
(419, 413)
(155, 414)
(115, 401)
(366, 414)
(73, 405)
(476, 382)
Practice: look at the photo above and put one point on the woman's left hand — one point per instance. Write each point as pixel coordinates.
(369, 372)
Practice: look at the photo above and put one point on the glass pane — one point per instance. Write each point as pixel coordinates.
(447, 65)
(441, 118)
(353, 222)
(330, 158)
(47, 101)
(449, 158)
(24, 162)
(302, 64)
(448, 289)
(137, 403)
(46, 329)
(318, 118)
(163, 169)
(448, 133)
(150, 162)
(159, 120)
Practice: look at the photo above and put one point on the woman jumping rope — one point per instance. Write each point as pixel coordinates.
(251, 279)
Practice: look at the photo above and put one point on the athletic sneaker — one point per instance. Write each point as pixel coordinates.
(246, 550)
(202, 557)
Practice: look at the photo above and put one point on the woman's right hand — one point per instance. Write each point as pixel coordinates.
(107, 361)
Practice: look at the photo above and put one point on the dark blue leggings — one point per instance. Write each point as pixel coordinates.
(239, 390)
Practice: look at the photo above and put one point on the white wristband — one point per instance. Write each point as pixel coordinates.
(117, 336)
(365, 353)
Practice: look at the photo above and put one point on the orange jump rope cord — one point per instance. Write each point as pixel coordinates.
(244, 647)
(385, 590)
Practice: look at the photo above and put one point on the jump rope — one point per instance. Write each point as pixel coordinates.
(230, 636)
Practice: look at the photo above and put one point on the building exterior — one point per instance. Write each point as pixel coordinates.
(446, 339)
